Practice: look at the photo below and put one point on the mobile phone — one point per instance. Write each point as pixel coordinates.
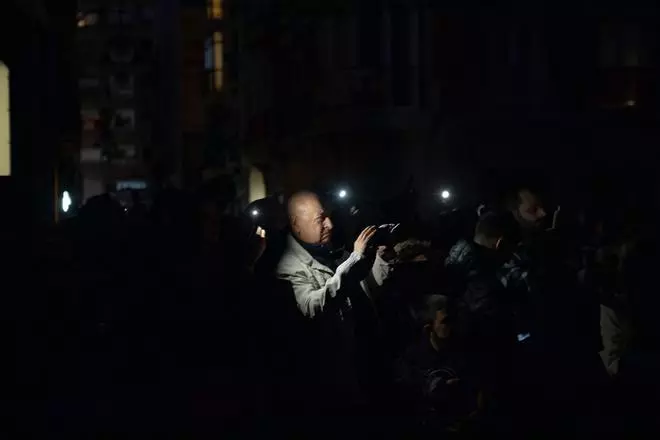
(384, 234)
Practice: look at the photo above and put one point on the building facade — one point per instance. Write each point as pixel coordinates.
(201, 132)
(39, 118)
(372, 94)
(118, 86)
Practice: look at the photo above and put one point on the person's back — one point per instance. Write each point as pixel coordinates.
(489, 288)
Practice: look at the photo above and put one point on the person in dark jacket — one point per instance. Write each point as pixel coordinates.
(493, 314)
(434, 377)
(489, 286)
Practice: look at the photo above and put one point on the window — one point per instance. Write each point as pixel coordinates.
(213, 60)
(214, 9)
(5, 122)
(128, 150)
(120, 16)
(90, 154)
(121, 84)
(131, 184)
(90, 119)
(208, 54)
(88, 83)
(121, 51)
(124, 119)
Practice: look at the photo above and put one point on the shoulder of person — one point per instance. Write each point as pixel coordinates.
(289, 263)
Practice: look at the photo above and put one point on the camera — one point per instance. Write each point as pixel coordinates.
(385, 234)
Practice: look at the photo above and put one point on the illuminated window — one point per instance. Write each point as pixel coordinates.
(214, 8)
(5, 137)
(208, 54)
(213, 60)
(131, 184)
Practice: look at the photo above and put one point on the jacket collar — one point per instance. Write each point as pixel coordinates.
(305, 257)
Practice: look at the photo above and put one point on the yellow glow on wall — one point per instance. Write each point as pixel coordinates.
(214, 8)
(217, 60)
(257, 186)
(5, 137)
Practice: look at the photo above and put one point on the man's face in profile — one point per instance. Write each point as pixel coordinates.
(311, 223)
(440, 326)
(530, 212)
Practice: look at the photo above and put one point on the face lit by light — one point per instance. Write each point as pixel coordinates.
(530, 212)
(445, 194)
(342, 194)
(66, 201)
(311, 223)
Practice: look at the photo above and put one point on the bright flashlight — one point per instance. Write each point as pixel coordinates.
(66, 201)
(255, 212)
(342, 194)
(445, 194)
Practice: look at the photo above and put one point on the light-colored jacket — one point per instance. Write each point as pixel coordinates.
(615, 332)
(320, 290)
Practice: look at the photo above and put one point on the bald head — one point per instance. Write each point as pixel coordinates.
(308, 220)
(302, 202)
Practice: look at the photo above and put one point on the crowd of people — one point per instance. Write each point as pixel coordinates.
(180, 319)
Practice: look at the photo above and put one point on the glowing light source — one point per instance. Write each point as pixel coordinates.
(66, 201)
(445, 194)
(342, 194)
(214, 8)
(631, 103)
(255, 212)
(5, 122)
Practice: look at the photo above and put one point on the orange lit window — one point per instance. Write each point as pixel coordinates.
(214, 8)
(213, 60)
(5, 138)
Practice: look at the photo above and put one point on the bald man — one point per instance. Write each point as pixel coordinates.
(334, 294)
(321, 285)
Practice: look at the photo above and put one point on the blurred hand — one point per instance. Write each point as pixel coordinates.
(362, 242)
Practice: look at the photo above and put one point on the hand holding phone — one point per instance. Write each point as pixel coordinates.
(384, 234)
